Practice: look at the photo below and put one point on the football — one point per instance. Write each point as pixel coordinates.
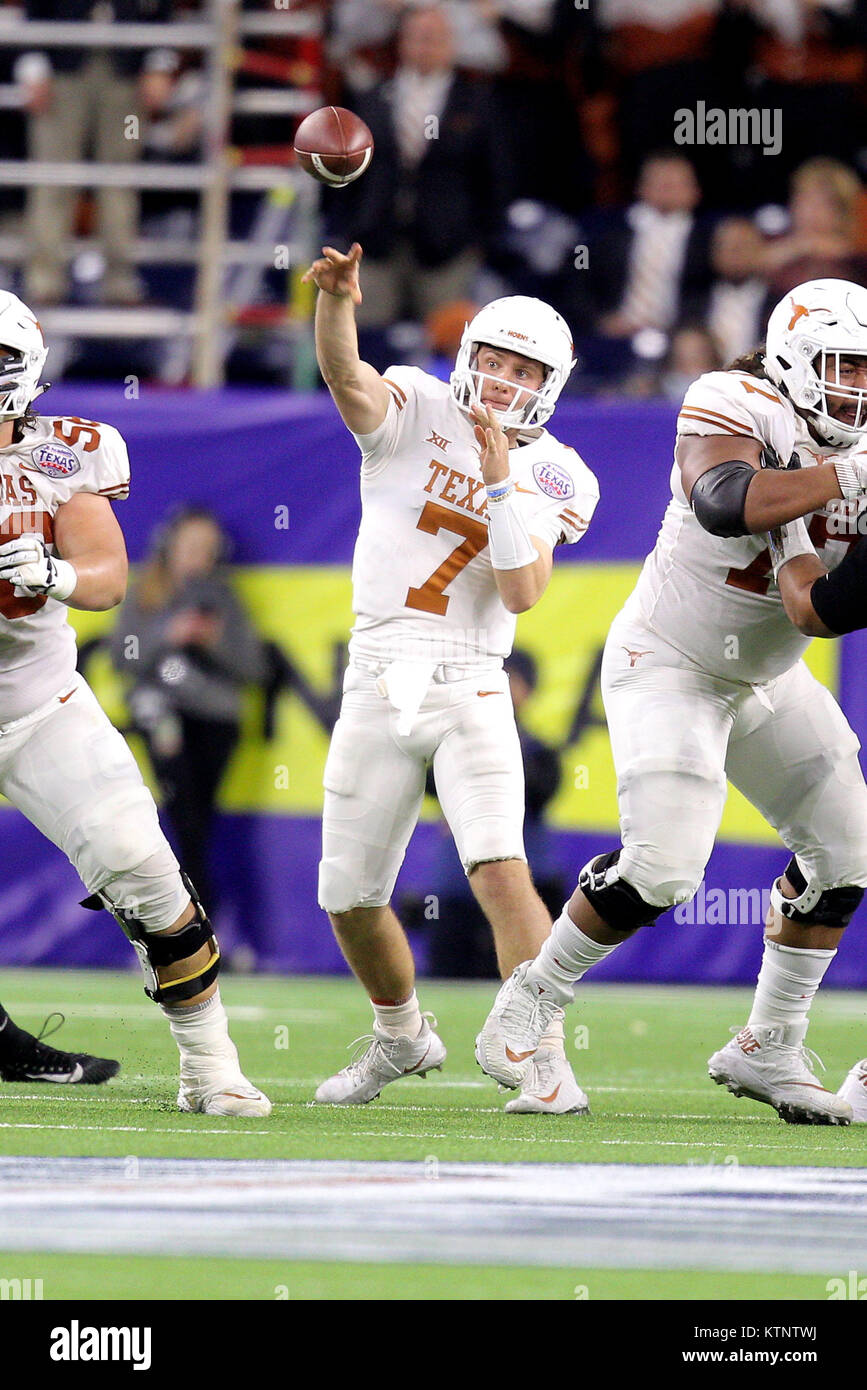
(334, 145)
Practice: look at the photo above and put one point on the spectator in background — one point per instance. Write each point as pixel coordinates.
(733, 307)
(461, 944)
(427, 207)
(822, 240)
(188, 648)
(653, 256)
(808, 59)
(693, 351)
(658, 53)
(80, 101)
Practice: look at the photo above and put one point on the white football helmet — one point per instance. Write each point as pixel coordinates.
(22, 356)
(815, 325)
(524, 325)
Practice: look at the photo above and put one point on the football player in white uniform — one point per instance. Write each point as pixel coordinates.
(826, 603)
(62, 763)
(464, 498)
(703, 680)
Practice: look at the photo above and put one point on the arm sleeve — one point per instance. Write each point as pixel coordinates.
(378, 447)
(733, 403)
(840, 597)
(565, 520)
(106, 469)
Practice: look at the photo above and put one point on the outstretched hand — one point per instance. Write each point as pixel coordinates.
(337, 274)
(493, 444)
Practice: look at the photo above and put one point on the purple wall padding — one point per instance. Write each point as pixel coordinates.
(243, 452)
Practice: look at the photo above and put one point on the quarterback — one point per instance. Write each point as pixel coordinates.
(703, 680)
(62, 763)
(464, 497)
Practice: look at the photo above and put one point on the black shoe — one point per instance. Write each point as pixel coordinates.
(25, 1058)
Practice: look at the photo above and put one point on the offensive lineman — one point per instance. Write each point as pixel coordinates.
(62, 763)
(703, 679)
(464, 497)
(826, 603)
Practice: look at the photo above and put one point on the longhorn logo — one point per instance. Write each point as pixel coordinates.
(799, 311)
(634, 656)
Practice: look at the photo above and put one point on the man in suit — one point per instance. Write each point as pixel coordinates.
(435, 191)
(654, 254)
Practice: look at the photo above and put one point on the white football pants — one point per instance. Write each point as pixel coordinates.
(374, 780)
(70, 772)
(678, 733)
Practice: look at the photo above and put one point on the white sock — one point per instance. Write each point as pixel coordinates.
(399, 1020)
(202, 1030)
(565, 957)
(788, 979)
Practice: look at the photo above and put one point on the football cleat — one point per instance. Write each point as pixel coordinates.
(854, 1092)
(26, 1058)
(550, 1088)
(513, 1029)
(212, 1083)
(761, 1064)
(382, 1058)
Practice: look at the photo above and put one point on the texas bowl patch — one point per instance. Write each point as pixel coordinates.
(554, 480)
(57, 460)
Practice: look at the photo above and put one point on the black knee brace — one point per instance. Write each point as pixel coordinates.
(156, 948)
(829, 907)
(619, 905)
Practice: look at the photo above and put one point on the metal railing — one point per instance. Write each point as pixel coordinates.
(219, 36)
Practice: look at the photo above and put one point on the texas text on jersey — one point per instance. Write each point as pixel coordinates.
(435, 597)
(50, 463)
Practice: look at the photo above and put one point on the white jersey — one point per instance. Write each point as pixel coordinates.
(423, 584)
(60, 457)
(712, 598)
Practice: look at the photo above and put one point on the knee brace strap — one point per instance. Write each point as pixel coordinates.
(156, 949)
(815, 906)
(620, 906)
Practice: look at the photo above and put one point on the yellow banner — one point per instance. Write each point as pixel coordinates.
(307, 612)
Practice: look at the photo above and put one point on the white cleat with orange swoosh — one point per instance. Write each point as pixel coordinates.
(385, 1058)
(770, 1064)
(512, 1031)
(550, 1089)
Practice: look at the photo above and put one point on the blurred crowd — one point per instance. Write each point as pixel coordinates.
(525, 146)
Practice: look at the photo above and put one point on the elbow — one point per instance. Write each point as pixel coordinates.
(802, 613)
(519, 603)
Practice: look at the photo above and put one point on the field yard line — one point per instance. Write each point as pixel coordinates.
(134, 1129)
(399, 1134)
(242, 1013)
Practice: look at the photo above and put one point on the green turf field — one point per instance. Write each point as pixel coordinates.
(640, 1052)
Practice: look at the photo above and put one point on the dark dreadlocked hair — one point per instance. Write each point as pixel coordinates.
(751, 362)
(27, 421)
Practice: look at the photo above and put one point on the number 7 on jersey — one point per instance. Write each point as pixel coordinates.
(434, 518)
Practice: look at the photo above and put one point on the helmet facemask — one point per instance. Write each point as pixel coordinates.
(843, 433)
(18, 377)
(532, 330)
(468, 383)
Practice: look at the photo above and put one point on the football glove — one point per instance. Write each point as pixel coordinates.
(26, 563)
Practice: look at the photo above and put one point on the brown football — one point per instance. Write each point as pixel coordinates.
(334, 145)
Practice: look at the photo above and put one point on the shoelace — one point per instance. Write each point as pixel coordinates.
(45, 1032)
(804, 1053)
(514, 1013)
(368, 1041)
